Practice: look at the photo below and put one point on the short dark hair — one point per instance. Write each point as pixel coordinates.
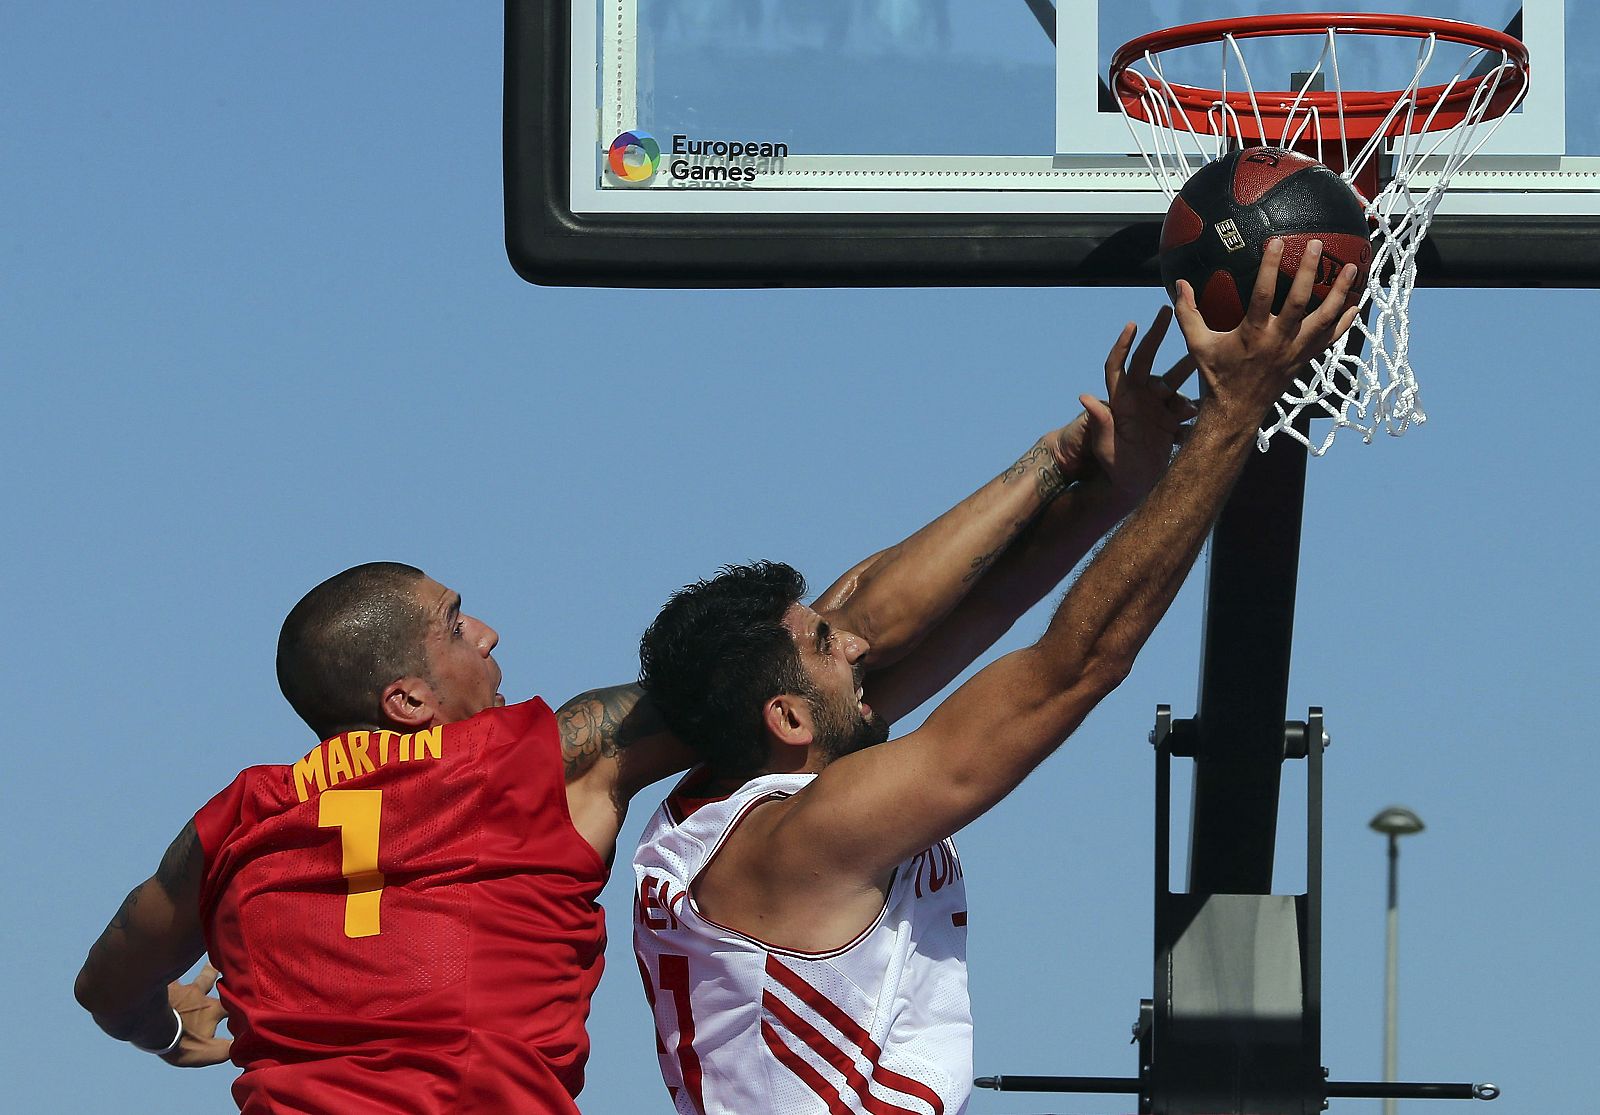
(716, 653)
(347, 639)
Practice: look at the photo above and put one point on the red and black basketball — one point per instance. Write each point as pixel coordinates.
(1220, 222)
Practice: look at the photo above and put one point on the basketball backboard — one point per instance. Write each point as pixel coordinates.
(911, 142)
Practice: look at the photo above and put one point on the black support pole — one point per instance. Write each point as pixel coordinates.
(1244, 674)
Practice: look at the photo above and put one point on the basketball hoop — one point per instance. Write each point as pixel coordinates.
(1399, 148)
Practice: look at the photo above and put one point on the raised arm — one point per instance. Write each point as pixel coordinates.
(899, 597)
(894, 598)
(1130, 434)
(152, 940)
(869, 811)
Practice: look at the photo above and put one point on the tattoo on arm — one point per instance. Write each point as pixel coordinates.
(1051, 482)
(119, 920)
(980, 564)
(177, 874)
(152, 939)
(1020, 468)
(1042, 464)
(603, 722)
(113, 934)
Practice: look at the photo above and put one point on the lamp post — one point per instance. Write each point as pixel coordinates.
(1394, 822)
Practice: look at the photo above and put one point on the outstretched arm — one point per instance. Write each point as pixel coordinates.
(154, 938)
(930, 604)
(1130, 434)
(868, 811)
(896, 597)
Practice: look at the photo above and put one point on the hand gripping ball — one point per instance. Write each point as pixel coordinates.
(1220, 222)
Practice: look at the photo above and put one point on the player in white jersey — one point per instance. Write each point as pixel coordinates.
(799, 888)
(934, 602)
(879, 1025)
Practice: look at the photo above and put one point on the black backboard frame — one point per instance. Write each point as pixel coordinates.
(549, 244)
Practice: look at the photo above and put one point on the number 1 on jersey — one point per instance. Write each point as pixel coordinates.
(674, 979)
(357, 814)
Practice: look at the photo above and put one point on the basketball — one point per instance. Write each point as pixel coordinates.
(1219, 224)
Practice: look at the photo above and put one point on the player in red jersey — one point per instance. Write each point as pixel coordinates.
(407, 917)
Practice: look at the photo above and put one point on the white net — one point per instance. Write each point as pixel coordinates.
(1434, 125)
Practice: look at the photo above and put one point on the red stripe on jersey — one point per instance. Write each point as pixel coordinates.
(683, 800)
(917, 1088)
(808, 1075)
(853, 1030)
(959, 918)
(650, 997)
(823, 1005)
(675, 978)
(842, 1062)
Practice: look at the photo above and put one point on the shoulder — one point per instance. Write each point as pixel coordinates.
(695, 822)
(214, 821)
(693, 804)
(522, 718)
(598, 723)
(614, 738)
(747, 826)
(183, 864)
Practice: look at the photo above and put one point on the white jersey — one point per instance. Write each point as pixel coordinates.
(882, 1026)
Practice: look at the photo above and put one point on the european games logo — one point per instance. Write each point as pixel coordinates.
(634, 157)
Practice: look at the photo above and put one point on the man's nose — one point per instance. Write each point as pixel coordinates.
(855, 647)
(488, 637)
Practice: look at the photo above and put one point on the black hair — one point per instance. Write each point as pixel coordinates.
(347, 639)
(716, 653)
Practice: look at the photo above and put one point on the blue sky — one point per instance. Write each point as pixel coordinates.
(259, 326)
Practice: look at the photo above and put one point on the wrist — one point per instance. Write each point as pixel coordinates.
(1103, 501)
(1066, 469)
(1041, 472)
(1226, 428)
(146, 1042)
(1246, 399)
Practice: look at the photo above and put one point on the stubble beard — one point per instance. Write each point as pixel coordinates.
(842, 730)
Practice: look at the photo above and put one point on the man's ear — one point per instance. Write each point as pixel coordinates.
(787, 719)
(408, 702)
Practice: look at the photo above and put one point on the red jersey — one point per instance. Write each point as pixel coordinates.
(406, 923)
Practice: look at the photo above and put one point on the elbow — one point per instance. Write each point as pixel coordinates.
(1098, 676)
(96, 990)
(1109, 672)
(90, 997)
(1089, 675)
(1075, 690)
(102, 1003)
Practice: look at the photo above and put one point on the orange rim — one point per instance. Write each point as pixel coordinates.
(1364, 112)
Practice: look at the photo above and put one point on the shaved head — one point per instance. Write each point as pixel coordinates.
(347, 639)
